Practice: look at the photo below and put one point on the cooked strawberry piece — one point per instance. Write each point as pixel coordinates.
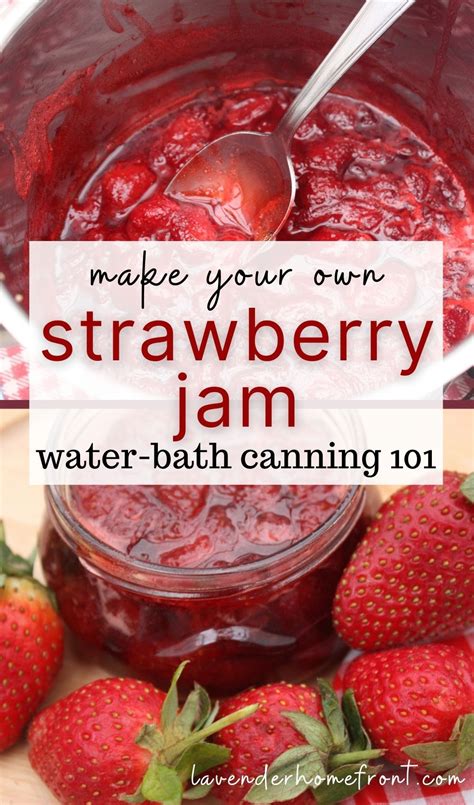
(153, 219)
(82, 216)
(360, 216)
(328, 156)
(194, 554)
(338, 115)
(456, 325)
(445, 192)
(262, 497)
(124, 184)
(458, 274)
(318, 200)
(98, 232)
(247, 108)
(187, 500)
(417, 180)
(193, 223)
(162, 218)
(222, 526)
(186, 134)
(331, 233)
(229, 233)
(271, 529)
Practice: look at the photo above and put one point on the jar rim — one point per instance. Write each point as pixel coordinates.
(351, 504)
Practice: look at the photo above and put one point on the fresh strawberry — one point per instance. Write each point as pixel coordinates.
(123, 740)
(411, 578)
(314, 735)
(411, 699)
(31, 643)
(83, 746)
(124, 184)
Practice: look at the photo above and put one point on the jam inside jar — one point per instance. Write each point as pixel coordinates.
(245, 593)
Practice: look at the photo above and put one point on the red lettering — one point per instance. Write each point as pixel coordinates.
(345, 327)
(117, 327)
(415, 352)
(300, 339)
(167, 339)
(90, 323)
(254, 328)
(268, 396)
(55, 339)
(210, 331)
(223, 405)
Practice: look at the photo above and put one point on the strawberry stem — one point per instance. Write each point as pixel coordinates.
(211, 729)
(10, 563)
(344, 758)
(467, 487)
(451, 756)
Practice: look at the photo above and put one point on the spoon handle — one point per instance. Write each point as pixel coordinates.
(367, 26)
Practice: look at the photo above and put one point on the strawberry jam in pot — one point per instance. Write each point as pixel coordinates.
(361, 173)
(238, 579)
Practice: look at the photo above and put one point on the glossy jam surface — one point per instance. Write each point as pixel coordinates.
(267, 628)
(361, 175)
(203, 526)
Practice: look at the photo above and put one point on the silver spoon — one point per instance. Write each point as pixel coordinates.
(247, 180)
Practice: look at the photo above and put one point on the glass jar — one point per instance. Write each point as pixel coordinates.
(239, 626)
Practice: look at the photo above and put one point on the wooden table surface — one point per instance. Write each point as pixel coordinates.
(21, 508)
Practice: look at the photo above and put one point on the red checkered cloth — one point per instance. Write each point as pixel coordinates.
(413, 793)
(14, 383)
